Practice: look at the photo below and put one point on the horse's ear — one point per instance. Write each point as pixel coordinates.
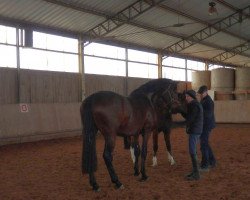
(178, 86)
(175, 84)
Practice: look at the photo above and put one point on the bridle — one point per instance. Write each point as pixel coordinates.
(170, 96)
(166, 96)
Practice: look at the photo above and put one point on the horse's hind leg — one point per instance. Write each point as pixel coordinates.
(93, 183)
(144, 155)
(127, 142)
(169, 149)
(155, 147)
(108, 158)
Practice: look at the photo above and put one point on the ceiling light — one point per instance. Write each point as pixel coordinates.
(212, 9)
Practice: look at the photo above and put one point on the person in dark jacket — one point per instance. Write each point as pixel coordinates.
(208, 159)
(194, 126)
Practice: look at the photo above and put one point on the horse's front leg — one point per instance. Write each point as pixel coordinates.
(136, 152)
(144, 155)
(108, 158)
(168, 145)
(155, 147)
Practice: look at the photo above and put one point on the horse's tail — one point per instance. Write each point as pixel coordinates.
(89, 131)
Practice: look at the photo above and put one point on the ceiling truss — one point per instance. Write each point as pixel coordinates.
(234, 51)
(127, 16)
(122, 17)
(209, 31)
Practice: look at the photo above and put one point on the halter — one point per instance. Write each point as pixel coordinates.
(162, 96)
(168, 92)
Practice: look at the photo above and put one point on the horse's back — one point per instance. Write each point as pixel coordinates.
(109, 109)
(104, 98)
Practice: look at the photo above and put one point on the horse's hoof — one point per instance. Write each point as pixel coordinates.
(144, 178)
(97, 189)
(118, 185)
(121, 187)
(136, 173)
(173, 163)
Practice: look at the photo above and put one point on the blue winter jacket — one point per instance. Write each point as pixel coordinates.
(194, 118)
(208, 113)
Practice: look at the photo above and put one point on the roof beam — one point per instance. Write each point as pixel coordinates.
(89, 10)
(164, 7)
(38, 27)
(229, 54)
(209, 31)
(230, 6)
(114, 17)
(78, 7)
(122, 17)
(235, 50)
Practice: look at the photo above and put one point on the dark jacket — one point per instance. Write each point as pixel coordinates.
(194, 118)
(208, 113)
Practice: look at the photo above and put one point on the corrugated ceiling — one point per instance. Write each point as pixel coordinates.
(158, 27)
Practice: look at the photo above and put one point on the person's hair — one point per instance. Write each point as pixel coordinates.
(202, 89)
(191, 93)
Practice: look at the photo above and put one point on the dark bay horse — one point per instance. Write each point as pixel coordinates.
(165, 125)
(113, 114)
(164, 106)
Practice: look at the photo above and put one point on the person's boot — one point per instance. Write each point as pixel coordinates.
(189, 175)
(195, 175)
(204, 169)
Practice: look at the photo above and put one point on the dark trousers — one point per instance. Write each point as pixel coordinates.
(193, 140)
(206, 151)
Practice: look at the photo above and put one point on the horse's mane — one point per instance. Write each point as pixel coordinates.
(155, 86)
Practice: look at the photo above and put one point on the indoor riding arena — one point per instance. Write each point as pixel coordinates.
(56, 54)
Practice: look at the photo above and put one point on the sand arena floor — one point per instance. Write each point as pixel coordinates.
(51, 170)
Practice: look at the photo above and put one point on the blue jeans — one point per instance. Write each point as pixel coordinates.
(206, 151)
(193, 140)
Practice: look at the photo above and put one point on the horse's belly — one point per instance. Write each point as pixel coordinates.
(128, 131)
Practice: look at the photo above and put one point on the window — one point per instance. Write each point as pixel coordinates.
(47, 60)
(50, 52)
(211, 67)
(94, 65)
(174, 62)
(142, 70)
(54, 42)
(8, 56)
(195, 65)
(7, 47)
(173, 73)
(140, 56)
(7, 35)
(96, 49)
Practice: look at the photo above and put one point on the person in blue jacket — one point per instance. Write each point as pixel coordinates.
(194, 125)
(208, 159)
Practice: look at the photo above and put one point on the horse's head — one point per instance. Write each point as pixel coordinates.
(163, 95)
(169, 101)
(165, 99)
(181, 104)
